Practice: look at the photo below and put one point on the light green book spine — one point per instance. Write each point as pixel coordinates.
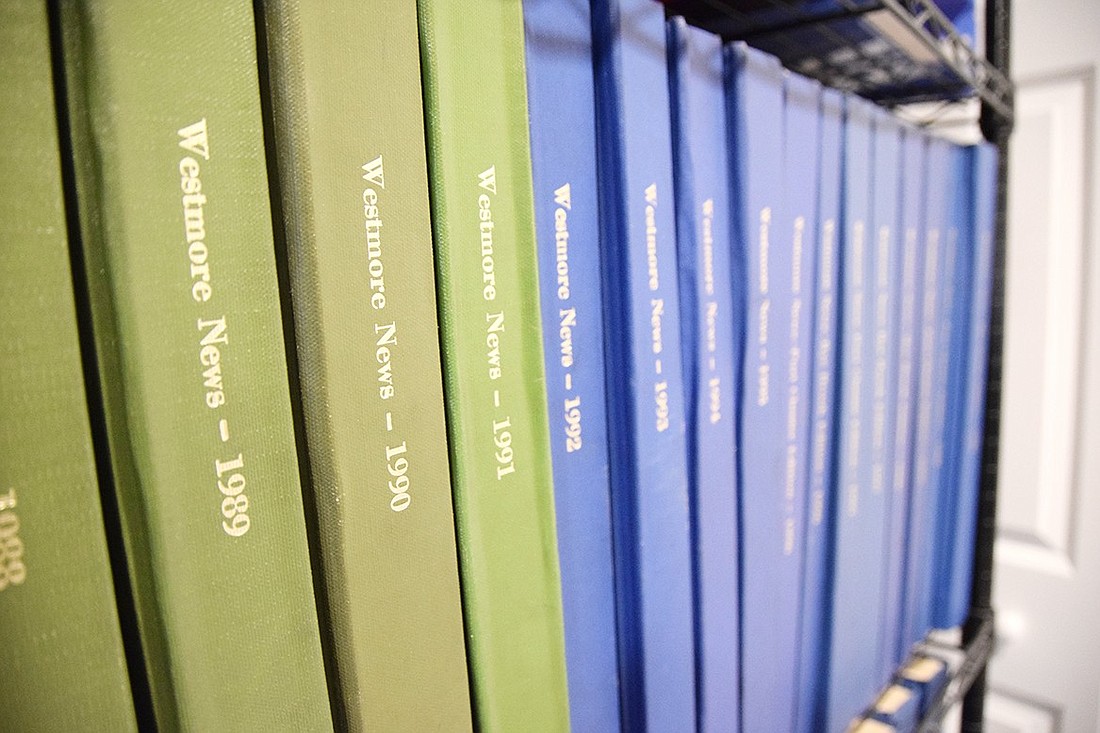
(177, 238)
(349, 139)
(483, 219)
(61, 653)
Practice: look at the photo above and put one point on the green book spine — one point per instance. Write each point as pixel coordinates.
(483, 219)
(60, 647)
(177, 239)
(349, 139)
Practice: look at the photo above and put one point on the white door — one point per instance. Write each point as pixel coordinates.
(1045, 675)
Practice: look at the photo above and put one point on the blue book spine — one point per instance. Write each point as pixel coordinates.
(771, 565)
(924, 497)
(813, 658)
(895, 647)
(703, 239)
(984, 161)
(887, 267)
(560, 96)
(797, 232)
(645, 387)
(956, 323)
(858, 563)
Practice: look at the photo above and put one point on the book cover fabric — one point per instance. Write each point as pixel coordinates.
(482, 206)
(61, 647)
(884, 309)
(561, 102)
(948, 360)
(771, 560)
(858, 544)
(797, 232)
(961, 288)
(909, 246)
(710, 355)
(177, 237)
(645, 387)
(816, 599)
(984, 163)
(924, 496)
(352, 190)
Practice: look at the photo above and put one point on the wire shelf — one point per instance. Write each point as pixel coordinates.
(890, 51)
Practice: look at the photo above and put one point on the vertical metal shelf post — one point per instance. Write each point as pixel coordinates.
(996, 130)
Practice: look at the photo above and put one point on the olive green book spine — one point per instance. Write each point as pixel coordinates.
(483, 219)
(61, 649)
(348, 125)
(179, 259)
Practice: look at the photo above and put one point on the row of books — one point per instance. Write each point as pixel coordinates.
(401, 366)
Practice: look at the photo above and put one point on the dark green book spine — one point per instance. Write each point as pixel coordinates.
(348, 125)
(61, 651)
(483, 219)
(177, 240)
